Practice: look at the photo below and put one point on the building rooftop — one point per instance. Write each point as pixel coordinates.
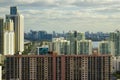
(93, 55)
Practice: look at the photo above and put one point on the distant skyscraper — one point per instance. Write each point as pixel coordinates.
(73, 37)
(106, 47)
(61, 46)
(9, 38)
(18, 28)
(84, 47)
(115, 37)
(1, 35)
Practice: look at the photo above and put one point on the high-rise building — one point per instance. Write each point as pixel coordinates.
(9, 25)
(9, 43)
(62, 67)
(115, 37)
(84, 47)
(106, 47)
(18, 21)
(9, 38)
(1, 35)
(61, 46)
(73, 37)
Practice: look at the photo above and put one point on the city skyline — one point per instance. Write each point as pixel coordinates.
(62, 56)
(82, 15)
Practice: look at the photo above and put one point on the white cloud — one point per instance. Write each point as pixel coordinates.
(26, 1)
(36, 1)
(61, 13)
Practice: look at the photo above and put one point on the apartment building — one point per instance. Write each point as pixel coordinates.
(58, 67)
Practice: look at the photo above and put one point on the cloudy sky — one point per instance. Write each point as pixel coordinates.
(65, 15)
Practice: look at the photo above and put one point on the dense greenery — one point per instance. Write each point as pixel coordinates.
(26, 51)
(117, 74)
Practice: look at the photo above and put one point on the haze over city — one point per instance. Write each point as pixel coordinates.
(65, 15)
(59, 40)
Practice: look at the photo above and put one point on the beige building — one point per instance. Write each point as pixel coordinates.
(9, 38)
(19, 30)
(9, 25)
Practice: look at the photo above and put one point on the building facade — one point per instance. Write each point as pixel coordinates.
(84, 47)
(73, 37)
(9, 25)
(18, 21)
(115, 37)
(9, 38)
(61, 46)
(106, 47)
(1, 35)
(116, 63)
(61, 67)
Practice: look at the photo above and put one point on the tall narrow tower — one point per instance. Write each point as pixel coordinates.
(1, 35)
(73, 37)
(9, 38)
(18, 21)
(115, 37)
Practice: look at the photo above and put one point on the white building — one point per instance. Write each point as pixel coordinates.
(18, 28)
(9, 38)
(9, 25)
(84, 47)
(73, 37)
(9, 48)
(116, 63)
(19, 34)
(61, 46)
(106, 47)
(1, 63)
